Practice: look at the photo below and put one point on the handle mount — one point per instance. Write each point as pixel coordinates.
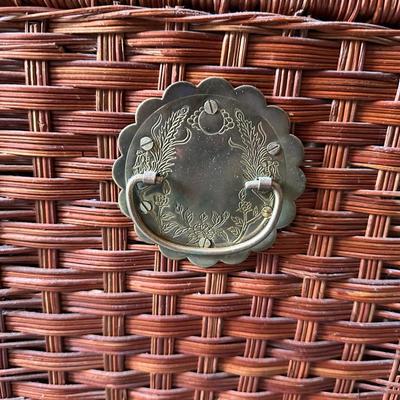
(260, 184)
(209, 172)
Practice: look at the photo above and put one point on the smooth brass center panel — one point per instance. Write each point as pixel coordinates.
(209, 172)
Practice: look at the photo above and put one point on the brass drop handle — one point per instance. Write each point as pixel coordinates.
(260, 184)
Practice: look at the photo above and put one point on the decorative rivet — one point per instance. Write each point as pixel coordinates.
(204, 242)
(266, 212)
(273, 148)
(146, 143)
(145, 207)
(210, 107)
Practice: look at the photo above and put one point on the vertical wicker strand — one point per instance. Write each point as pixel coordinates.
(111, 48)
(5, 387)
(261, 307)
(233, 53)
(211, 328)
(286, 84)
(335, 156)
(36, 74)
(378, 227)
(165, 304)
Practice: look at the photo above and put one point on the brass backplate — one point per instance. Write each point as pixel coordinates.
(206, 142)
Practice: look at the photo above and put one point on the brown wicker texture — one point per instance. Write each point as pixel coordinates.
(88, 312)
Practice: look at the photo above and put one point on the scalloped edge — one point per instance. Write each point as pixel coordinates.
(293, 186)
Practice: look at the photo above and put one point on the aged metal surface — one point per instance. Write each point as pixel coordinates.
(207, 144)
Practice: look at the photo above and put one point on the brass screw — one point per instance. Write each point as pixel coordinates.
(146, 143)
(273, 148)
(210, 107)
(266, 211)
(204, 242)
(145, 207)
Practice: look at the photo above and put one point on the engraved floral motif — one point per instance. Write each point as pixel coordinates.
(226, 124)
(256, 162)
(179, 222)
(152, 144)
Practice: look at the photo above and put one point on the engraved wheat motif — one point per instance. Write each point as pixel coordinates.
(256, 162)
(178, 221)
(165, 134)
(255, 158)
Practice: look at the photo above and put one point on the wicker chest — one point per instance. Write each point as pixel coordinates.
(90, 311)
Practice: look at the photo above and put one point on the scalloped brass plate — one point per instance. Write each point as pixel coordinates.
(209, 172)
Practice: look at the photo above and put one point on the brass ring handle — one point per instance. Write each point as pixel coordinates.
(260, 184)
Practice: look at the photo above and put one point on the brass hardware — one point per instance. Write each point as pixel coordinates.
(209, 172)
(261, 184)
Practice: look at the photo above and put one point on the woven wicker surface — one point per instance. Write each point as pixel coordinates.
(87, 312)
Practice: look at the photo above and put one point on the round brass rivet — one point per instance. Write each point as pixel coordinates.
(273, 148)
(146, 143)
(210, 107)
(266, 212)
(204, 242)
(145, 207)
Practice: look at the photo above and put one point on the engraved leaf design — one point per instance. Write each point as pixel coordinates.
(216, 218)
(256, 162)
(255, 157)
(165, 137)
(189, 217)
(203, 217)
(178, 221)
(166, 188)
(168, 216)
(255, 211)
(234, 230)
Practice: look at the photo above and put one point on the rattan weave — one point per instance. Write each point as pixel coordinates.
(88, 312)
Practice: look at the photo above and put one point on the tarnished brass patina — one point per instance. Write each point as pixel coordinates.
(209, 172)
